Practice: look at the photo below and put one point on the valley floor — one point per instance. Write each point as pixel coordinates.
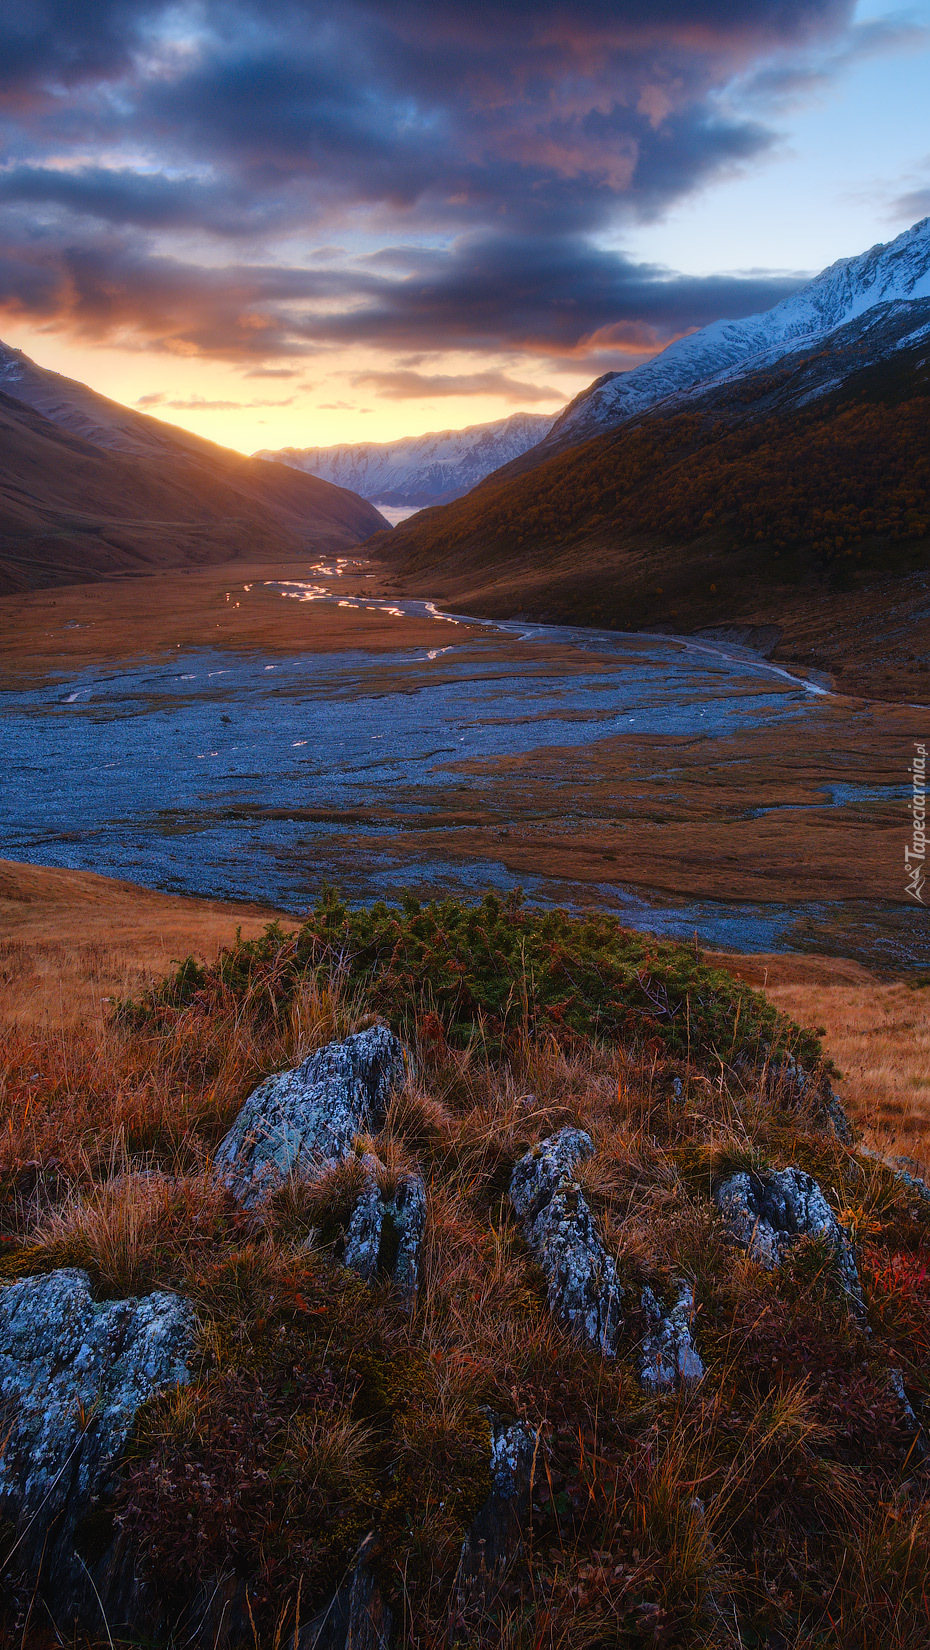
(745, 821)
(872, 640)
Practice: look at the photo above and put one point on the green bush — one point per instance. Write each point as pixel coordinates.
(494, 970)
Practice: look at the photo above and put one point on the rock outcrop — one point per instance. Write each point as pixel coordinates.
(357, 1617)
(298, 1120)
(583, 1289)
(785, 1072)
(668, 1357)
(385, 1233)
(494, 1541)
(767, 1214)
(73, 1374)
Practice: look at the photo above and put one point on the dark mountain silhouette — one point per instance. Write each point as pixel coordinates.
(89, 489)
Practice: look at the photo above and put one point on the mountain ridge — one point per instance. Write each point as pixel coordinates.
(142, 495)
(795, 496)
(724, 351)
(420, 470)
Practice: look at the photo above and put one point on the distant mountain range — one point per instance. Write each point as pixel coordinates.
(772, 472)
(89, 488)
(420, 469)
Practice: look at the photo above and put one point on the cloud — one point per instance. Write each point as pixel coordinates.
(913, 205)
(255, 180)
(197, 403)
(554, 298)
(401, 385)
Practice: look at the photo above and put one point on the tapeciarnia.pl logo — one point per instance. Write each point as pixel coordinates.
(916, 854)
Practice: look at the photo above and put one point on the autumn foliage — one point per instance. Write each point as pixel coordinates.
(819, 482)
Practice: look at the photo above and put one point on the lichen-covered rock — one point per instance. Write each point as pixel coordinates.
(495, 1537)
(385, 1233)
(768, 1213)
(551, 1161)
(295, 1122)
(73, 1374)
(668, 1356)
(582, 1285)
(357, 1617)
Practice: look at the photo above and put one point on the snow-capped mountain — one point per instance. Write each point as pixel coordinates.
(420, 469)
(889, 281)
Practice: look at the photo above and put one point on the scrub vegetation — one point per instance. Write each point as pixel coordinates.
(780, 1502)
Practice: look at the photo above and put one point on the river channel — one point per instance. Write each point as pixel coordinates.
(589, 768)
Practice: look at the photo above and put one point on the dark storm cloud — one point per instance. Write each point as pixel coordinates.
(63, 42)
(559, 298)
(508, 137)
(146, 200)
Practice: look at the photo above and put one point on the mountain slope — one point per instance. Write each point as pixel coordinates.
(89, 488)
(853, 291)
(788, 500)
(420, 469)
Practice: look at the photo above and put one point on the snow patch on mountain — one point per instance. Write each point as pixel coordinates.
(420, 470)
(894, 273)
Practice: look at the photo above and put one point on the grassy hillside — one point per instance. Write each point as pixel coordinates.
(781, 1502)
(71, 510)
(731, 511)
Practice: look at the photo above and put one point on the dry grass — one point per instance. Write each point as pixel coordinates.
(777, 1504)
(877, 1032)
(70, 942)
(879, 1037)
(774, 1497)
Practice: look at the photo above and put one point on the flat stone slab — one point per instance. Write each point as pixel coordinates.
(297, 1121)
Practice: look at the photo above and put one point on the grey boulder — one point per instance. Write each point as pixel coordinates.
(668, 1357)
(768, 1213)
(73, 1375)
(297, 1121)
(582, 1286)
(385, 1233)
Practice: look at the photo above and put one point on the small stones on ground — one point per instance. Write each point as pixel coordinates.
(298, 1120)
(73, 1374)
(668, 1356)
(767, 1213)
(583, 1289)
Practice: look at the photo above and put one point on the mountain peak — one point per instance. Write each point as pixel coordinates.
(420, 470)
(892, 272)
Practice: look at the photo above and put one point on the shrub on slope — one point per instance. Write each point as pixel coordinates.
(495, 970)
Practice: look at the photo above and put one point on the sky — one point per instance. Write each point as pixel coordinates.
(285, 223)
